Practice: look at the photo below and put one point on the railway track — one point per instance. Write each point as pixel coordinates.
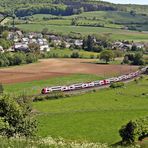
(79, 89)
(83, 91)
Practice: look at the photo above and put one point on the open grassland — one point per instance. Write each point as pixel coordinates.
(35, 87)
(93, 116)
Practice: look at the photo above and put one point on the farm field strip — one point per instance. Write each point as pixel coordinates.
(48, 68)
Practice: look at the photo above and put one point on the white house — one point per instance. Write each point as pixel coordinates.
(44, 48)
(78, 42)
(32, 41)
(139, 45)
(57, 40)
(25, 40)
(19, 33)
(40, 42)
(1, 49)
(21, 47)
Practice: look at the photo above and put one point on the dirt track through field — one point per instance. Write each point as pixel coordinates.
(48, 68)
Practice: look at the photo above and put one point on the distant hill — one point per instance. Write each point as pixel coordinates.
(101, 14)
(64, 7)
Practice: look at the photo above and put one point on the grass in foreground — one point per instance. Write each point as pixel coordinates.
(50, 142)
(93, 116)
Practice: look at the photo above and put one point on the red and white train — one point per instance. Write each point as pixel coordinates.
(92, 84)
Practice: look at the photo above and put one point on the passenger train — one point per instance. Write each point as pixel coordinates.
(92, 84)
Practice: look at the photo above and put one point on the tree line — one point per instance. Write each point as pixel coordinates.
(62, 7)
(18, 58)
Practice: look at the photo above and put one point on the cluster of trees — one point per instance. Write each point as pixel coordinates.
(96, 44)
(107, 55)
(135, 59)
(10, 59)
(64, 7)
(60, 7)
(42, 9)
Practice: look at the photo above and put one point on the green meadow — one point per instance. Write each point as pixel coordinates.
(95, 116)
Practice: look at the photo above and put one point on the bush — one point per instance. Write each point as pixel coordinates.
(15, 117)
(92, 56)
(75, 55)
(134, 130)
(118, 53)
(125, 60)
(1, 88)
(31, 58)
(117, 84)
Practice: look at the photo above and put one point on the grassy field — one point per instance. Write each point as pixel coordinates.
(93, 116)
(35, 87)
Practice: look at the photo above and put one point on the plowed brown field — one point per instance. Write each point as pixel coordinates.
(59, 67)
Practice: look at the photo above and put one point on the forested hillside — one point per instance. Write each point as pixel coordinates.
(62, 7)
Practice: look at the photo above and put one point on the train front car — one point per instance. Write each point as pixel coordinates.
(43, 91)
(46, 90)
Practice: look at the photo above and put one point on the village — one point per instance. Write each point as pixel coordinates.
(22, 41)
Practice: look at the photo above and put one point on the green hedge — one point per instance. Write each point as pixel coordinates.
(134, 130)
(51, 96)
(117, 84)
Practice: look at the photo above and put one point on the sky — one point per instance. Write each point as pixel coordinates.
(141, 2)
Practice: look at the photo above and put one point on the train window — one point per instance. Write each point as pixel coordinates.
(85, 85)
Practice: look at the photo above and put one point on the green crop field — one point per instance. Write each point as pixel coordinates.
(35, 87)
(95, 116)
(67, 52)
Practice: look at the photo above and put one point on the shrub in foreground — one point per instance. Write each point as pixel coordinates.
(134, 130)
(15, 117)
(50, 142)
